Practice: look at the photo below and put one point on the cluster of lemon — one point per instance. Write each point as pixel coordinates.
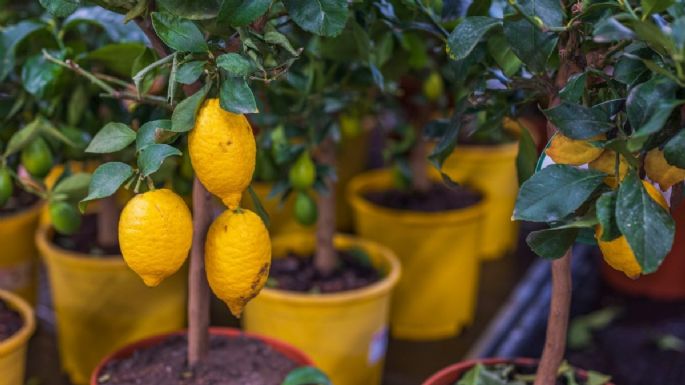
(156, 230)
(565, 150)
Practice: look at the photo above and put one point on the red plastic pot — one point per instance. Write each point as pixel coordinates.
(667, 283)
(127, 351)
(451, 374)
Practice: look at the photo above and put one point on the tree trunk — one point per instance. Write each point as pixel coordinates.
(325, 257)
(557, 321)
(108, 222)
(418, 164)
(198, 288)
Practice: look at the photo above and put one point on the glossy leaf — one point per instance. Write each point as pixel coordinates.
(448, 141)
(112, 23)
(239, 13)
(180, 34)
(60, 8)
(279, 39)
(649, 105)
(306, 375)
(117, 57)
(148, 132)
(259, 208)
(39, 76)
(189, 72)
(610, 29)
(574, 89)
(527, 156)
(236, 96)
(467, 34)
(74, 186)
(629, 70)
(10, 38)
(606, 215)
(655, 6)
(183, 117)
(501, 51)
(322, 17)
(577, 121)
(152, 156)
(555, 192)
(234, 64)
(191, 9)
(106, 180)
(551, 243)
(23, 137)
(674, 150)
(111, 138)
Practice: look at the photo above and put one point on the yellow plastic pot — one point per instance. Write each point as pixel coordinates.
(13, 349)
(436, 296)
(491, 169)
(101, 305)
(18, 254)
(281, 217)
(344, 333)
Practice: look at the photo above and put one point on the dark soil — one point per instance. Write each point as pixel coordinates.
(19, 201)
(438, 198)
(10, 321)
(644, 345)
(297, 273)
(85, 240)
(231, 361)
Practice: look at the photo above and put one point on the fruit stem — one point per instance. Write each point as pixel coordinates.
(108, 222)
(326, 258)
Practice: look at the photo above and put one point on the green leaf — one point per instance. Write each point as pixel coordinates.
(581, 328)
(180, 34)
(574, 89)
(183, 117)
(467, 34)
(648, 105)
(596, 378)
(648, 228)
(259, 208)
(234, 64)
(479, 8)
(654, 6)
(606, 215)
(152, 156)
(39, 76)
(610, 29)
(236, 96)
(555, 192)
(279, 39)
(239, 13)
(322, 17)
(117, 57)
(10, 38)
(306, 375)
(60, 8)
(49, 129)
(112, 23)
(112, 137)
(106, 180)
(674, 150)
(527, 157)
(482, 375)
(190, 9)
(577, 121)
(498, 48)
(629, 70)
(148, 132)
(189, 72)
(77, 105)
(23, 137)
(551, 243)
(74, 186)
(445, 145)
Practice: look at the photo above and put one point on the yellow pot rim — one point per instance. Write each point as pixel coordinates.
(374, 290)
(22, 336)
(82, 260)
(27, 214)
(363, 182)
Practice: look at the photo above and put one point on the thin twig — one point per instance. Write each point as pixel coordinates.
(70, 64)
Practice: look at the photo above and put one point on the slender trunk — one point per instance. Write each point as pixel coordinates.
(557, 321)
(108, 222)
(198, 288)
(418, 164)
(325, 258)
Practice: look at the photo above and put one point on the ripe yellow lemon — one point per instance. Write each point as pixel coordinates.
(565, 150)
(155, 234)
(660, 171)
(222, 150)
(617, 252)
(606, 163)
(237, 257)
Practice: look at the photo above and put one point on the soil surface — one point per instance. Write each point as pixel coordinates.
(10, 321)
(231, 361)
(297, 273)
(19, 201)
(438, 198)
(85, 240)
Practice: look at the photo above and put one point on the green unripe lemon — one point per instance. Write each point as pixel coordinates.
(6, 185)
(305, 209)
(350, 126)
(433, 86)
(303, 172)
(37, 158)
(65, 217)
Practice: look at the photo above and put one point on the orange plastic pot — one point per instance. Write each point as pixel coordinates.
(19, 257)
(287, 350)
(101, 305)
(439, 253)
(13, 349)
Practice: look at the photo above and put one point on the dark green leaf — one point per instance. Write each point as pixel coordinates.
(652, 34)
(467, 34)
(555, 192)
(10, 38)
(551, 243)
(183, 117)
(152, 156)
(39, 76)
(234, 64)
(574, 89)
(112, 23)
(655, 122)
(60, 8)
(483, 375)
(322, 17)
(279, 39)
(189, 72)
(306, 375)
(180, 34)
(674, 150)
(74, 186)
(77, 105)
(648, 228)
(527, 157)
(106, 180)
(23, 137)
(606, 215)
(577, 121)
(112, 137)
(448, 141)
(654, 6)
(239, 13)
(191, 9)
(117, 57)
(479, 8)
(628, 70)
(236, 96)
(647, 100)
(503, 55)
(259, 208)
(148, 132)
(610, 29)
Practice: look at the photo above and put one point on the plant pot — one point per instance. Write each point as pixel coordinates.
(345, 333)
(13, 349)
(451, 374)
(19, 257)
(101, 305)
(436, 295)
(281, 217)
(127, 351)
(492, 170)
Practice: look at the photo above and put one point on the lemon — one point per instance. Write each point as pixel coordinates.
(303, 172)
(433, 86)
(350, 126)
(606, 163)
(222, 151)
(155, 234)
(660, 171)
(305, 209)
(565, 150)
(65, 217)
(6, 185)
(237, 257)
(617, 252)
(37, 158)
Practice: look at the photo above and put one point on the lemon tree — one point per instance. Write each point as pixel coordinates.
(609, 78)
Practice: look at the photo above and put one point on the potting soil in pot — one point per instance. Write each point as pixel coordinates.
(20, 200)
(10, 321)
(85, 240)
(438, 198)
(298, 273)
(230, 361)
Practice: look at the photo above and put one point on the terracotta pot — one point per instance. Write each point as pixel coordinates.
(450, 374)
(127, 351)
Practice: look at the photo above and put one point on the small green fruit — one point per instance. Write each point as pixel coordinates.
(303, 172)
(65, 217)
(306, 212)
(6, 185)
(433, 86)
(350, 126)
(37, 158)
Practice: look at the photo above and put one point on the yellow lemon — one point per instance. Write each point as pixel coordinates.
(617, 252)
(565, 150)
(237, 257)
(660, 171)
(606, 163)
(155, 234)
(222, 150)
